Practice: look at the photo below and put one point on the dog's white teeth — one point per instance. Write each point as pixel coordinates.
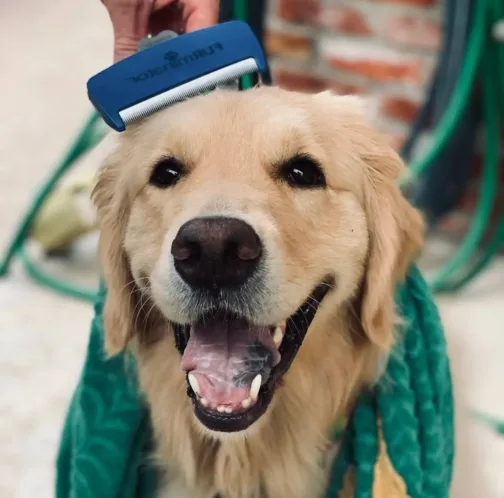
(228, 409)
(203, 401)
(278, 336)
(254, 388)
(221, 409)
(194, 384)
(246, 402)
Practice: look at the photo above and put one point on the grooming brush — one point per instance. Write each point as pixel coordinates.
(174, 68)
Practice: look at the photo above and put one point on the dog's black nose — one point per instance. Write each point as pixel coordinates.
(216, 252)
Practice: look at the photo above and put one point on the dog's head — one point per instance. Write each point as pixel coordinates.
(239, 218)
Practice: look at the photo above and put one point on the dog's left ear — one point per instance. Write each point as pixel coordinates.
(396, 229)
(396, 232)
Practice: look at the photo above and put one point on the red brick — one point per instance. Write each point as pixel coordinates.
(478, 165)
(501, 175)
(396, 140)
(412, 31)
(298, 81)
(305, 82)
(281, 44)
(415, 3)
(496, 215)
(344, 19)
(380, 69)
(455, 224)
(342, 88)
(298, 11)
(400, 108)
(469, 198)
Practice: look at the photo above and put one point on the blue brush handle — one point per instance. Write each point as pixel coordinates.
(169, 64)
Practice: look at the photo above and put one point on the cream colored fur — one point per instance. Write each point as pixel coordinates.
(360, 229)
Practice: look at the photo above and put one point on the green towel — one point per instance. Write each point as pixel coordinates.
(106, 439)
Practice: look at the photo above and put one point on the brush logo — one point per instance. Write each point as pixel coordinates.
(174, 60)
(171, 56)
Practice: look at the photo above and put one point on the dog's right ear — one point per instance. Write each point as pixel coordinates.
(112, 203)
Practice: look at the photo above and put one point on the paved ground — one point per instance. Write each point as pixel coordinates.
(49, 49)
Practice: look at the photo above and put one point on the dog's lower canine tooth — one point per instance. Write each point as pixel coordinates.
(278, 336)
(246, 402)
(194, 384)
(204, 401)
(254, 388)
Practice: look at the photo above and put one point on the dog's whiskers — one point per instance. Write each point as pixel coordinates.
(150, 309)
(139, 307)
(132, 283)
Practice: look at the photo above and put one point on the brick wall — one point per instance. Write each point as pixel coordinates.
(384, 49)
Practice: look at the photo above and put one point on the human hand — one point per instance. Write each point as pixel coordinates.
(133, 20)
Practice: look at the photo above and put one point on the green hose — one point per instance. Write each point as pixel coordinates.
(89, 136)
(459, 271)
(458, 100)
(496, 425)
(487, 55)
(54, 283)
(240, 13)
(489, 185)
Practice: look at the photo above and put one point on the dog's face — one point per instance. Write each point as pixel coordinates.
(241, 218)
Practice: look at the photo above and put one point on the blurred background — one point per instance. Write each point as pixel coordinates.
(407, 56)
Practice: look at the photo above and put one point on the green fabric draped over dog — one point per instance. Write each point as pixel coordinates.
(106, 439)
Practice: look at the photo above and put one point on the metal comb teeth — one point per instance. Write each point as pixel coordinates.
(224, 76)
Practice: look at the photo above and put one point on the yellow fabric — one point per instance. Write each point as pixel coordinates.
(348, 485)
(66, 216)
(387, 482)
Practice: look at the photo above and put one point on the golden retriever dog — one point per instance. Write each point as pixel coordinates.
(251, 244)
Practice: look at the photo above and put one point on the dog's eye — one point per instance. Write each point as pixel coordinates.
(166, 173)
(303, 172)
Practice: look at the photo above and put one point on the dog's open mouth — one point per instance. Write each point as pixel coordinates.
(233, 366)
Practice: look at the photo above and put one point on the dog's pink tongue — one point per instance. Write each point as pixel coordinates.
(225, 357)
